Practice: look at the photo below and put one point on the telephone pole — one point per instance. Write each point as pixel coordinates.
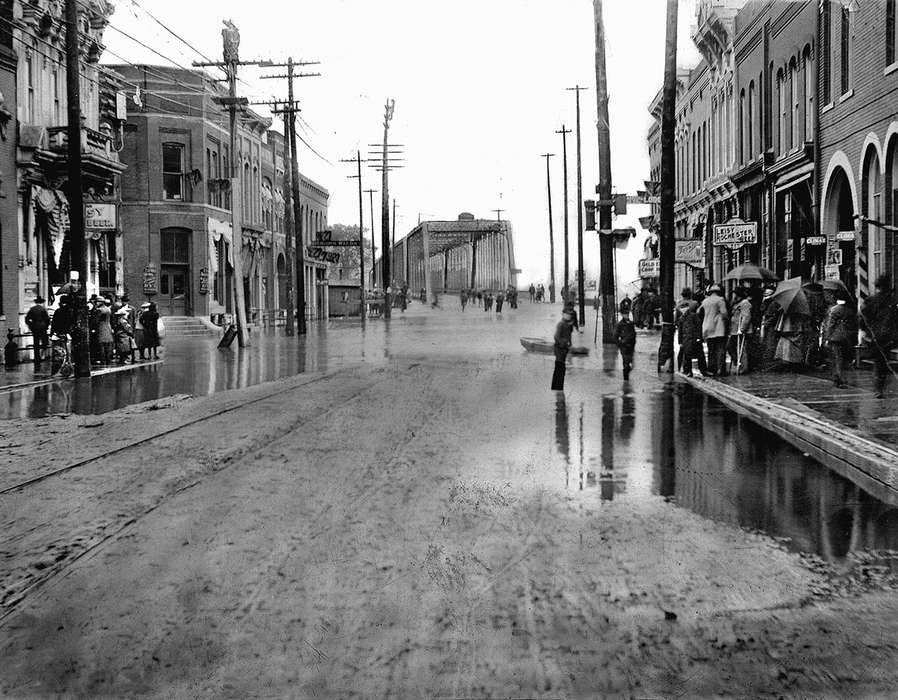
(299, 238)
(666, 244)
(551, 234)
(393, 240)
(385, 209)
(580, 287)
(564, 132)
(606, 239)
(373, 244)
(231, 60)
(358, 161)
(78, 265)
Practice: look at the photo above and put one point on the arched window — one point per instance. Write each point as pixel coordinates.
(751, 121)
(872, 189)
(809, 74)
(795, 102)
(781, 120)
(742, 138)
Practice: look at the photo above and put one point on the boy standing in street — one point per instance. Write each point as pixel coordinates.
(625, 335)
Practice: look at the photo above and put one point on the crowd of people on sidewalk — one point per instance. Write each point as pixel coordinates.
(119, 333)
(759, 328)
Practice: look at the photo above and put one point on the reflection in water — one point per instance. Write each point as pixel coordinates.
(607, 478)
(664, 444)
(627, 418)
(562, 435)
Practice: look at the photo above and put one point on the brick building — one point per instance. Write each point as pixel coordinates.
(41, 237)
(177, 202)
(859, 138)
(11, 299)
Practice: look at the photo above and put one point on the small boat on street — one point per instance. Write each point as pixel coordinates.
(548, 346)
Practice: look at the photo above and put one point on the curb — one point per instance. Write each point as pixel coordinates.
(849, 452)
(94, 373)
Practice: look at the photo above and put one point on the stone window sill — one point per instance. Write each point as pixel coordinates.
(846, 96)
(826, 108)
(891, 68)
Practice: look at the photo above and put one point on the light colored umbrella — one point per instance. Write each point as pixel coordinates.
(750, 271)
(791, 297)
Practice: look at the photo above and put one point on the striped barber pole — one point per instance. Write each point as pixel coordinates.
(863, 284)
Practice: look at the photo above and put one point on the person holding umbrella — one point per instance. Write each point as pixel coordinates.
(878, 319)
(839, 332)
(714, 329)
(741, 330)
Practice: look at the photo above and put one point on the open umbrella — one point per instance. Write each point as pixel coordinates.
(750, 271)
(791, 297)
(836, 286)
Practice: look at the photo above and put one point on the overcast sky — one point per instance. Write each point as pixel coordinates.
(479, 87)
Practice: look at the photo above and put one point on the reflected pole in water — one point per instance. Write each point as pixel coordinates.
(665, 455)
(606, 479)
(562, 435)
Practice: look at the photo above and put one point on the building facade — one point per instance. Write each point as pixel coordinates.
(43, 259)
(11, 300)
(178, 199)
(789, 124)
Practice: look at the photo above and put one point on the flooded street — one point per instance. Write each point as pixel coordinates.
(409, 511)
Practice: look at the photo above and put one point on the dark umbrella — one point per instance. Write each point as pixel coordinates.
(791, 297)
(750, 271)
(836, 286)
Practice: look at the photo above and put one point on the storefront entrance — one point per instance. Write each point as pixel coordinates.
(173, 290)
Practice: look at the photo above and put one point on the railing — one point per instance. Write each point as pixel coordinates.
(92, 141)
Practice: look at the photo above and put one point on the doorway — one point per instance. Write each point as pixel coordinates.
(173, 288)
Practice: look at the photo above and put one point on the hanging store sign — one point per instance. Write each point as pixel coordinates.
(691, 252)
(845, 236)
(831, 272)
(834, 256)
(815, 240)
(650, 268)
(735, 233)
(150, 280)
(321, 254)
(99, 215)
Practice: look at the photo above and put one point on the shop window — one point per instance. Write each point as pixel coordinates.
(173, 171)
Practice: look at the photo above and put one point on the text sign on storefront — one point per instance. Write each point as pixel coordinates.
(650, 268)
(150, 280)
(834, 256)
(204, 280)
(831, 272)
(99, 215)
(691, 252)
(845, 236)
(735, 233)
(322, 255)
(816, 240)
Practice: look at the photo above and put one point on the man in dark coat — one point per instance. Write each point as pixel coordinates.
(878, 318)
(562, 345)
(625, 336)
(839, 334)
(38, 321)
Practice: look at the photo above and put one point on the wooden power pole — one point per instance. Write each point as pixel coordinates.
(606, 239)
(567, 282)
(666, 244)
(77, 255)
(551, 232)
(580, 273)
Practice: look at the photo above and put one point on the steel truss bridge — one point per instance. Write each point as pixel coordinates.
(447, 256)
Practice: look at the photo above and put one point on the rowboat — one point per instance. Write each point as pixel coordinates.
(548, 346)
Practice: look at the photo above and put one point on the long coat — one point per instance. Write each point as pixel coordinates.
(716, 315)
(104, 325)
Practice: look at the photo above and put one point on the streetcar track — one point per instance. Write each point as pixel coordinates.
(118, 450)
(53, 573)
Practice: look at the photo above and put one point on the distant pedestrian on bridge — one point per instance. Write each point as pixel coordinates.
(532, 292)
(500, 299)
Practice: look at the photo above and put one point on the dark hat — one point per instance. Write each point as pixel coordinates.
(39, 299)
(123, 297)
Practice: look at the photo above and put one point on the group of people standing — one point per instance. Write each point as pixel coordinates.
(758, 333)
(485, 298)
(537, 293)
(117, 331)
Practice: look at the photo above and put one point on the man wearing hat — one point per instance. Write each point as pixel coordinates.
(38, 321)
(714, 329)
(562, 346)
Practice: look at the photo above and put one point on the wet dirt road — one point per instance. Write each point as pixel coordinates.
(436, 524)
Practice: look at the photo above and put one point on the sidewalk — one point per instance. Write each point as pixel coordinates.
(25, 375)
(846, 429)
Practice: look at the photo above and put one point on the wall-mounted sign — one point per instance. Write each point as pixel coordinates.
(321, 254)
(815, 240)
(650, 268)
(150, 280)
(831, 272)
(790, 250)
(834, 256)
(99, 215)
(204, 280)
(735, 233)
(845, 236)
(690, 251)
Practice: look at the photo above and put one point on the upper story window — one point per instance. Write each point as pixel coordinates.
(751, 120)
(845, 51)
(57, 96)
(826, 50)
(808, 94)
(795, 102)
(29, 84)
(173, 171)
(891, 32)
(781, 106)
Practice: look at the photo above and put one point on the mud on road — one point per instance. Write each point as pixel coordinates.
(400, 531)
